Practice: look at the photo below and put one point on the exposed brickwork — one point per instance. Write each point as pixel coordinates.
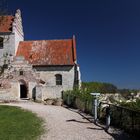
(12, 74)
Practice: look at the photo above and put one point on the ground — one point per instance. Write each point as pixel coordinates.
(65, 124)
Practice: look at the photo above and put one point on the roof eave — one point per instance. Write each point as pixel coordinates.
(53, 65)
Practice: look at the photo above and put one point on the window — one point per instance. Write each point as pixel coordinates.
(1, 42)
(58, 79)
(21, 73)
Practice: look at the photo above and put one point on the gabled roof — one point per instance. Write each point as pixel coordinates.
(6, 23)
(48, 52)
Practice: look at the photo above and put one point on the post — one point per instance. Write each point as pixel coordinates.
(107, 118)
(95, 105)
(95, 110)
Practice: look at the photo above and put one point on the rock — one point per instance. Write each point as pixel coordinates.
(48, 101)
(58, 102)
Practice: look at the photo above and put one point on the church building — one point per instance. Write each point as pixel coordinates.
(38, 69)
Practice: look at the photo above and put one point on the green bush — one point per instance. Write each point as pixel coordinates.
(78, 99)
(99, 87)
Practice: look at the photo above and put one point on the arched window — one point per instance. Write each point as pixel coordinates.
(58, 79)
(1, 42)
(20, 72)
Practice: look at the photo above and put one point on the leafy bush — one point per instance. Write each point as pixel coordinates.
(78, 99)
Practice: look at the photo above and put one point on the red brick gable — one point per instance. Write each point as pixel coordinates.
(6, 23)
(48, 52)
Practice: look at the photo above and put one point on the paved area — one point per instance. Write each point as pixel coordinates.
(64, 124)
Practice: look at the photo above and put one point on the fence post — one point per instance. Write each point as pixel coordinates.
(99, 111)
(95, 110)
(95, 105)
(107, 118)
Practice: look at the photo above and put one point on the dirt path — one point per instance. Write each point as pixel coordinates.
(63, 124)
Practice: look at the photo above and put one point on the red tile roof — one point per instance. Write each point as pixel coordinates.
(48, 52)
(6, 23)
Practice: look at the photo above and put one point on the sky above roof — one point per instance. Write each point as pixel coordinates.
(107, 34)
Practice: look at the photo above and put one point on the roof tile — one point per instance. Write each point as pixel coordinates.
(6, 23)
(48, 52)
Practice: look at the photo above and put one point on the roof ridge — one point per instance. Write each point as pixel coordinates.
(47, 53)
(46, 40)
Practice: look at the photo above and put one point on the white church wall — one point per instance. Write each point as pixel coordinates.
(8, 44)
(50, 89)
(18, 38)
(31, 88)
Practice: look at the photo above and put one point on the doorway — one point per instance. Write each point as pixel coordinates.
(23, 91)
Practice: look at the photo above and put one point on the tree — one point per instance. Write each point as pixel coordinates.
(99, 87)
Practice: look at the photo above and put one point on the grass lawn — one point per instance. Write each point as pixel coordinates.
(19, 124)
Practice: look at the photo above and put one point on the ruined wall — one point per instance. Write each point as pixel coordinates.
(12, 78)
(11, 93)
(15, 90)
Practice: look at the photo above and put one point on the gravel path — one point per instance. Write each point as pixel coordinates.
(63, 124)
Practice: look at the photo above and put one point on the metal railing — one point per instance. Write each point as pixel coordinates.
(121, 117)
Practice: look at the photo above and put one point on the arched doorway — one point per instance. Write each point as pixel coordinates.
(23, 90)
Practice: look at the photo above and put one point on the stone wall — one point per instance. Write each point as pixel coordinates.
(51, 92)
(15, 90)
(47, 74)
(8, 44)
(31, 89)
(12, 93)
(12, 79)
(38, 92)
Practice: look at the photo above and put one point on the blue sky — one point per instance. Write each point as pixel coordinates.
(107, 34)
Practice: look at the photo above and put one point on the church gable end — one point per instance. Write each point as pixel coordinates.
(47, 67)
(11, 31)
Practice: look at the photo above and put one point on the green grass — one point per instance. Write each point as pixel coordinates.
(19, 124)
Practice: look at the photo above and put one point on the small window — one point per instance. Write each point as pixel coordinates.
(21, 72)
(1, 43)
(58, 79)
